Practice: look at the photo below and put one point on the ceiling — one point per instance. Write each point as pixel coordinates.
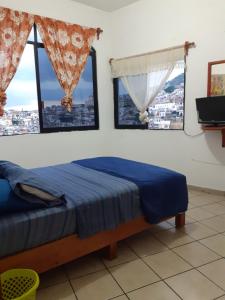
(107, 5)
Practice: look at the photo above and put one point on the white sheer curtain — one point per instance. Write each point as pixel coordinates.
(144, 76)
(144, 88)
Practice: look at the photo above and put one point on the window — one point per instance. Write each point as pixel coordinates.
(34, 96)
(166, 111)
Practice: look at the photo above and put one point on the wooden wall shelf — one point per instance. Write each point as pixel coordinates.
(216, 128)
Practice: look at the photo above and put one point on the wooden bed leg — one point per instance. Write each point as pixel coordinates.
(180, 220)
(111, 251)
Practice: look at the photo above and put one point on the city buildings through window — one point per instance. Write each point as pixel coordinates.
(34, 96)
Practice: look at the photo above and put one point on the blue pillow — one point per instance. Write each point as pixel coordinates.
(11, 203)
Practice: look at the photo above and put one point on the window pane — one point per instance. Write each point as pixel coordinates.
(21, 112)
(39, 37)
(167, 110)
(127, 112)
(55, 115)
(31, 35)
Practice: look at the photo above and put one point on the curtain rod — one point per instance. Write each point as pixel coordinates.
(186, 46)
(99, 31)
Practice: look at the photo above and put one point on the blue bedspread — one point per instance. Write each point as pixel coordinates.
(163, 192)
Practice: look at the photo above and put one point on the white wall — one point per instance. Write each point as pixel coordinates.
(155, 24)
(141, 27)
(44, 149)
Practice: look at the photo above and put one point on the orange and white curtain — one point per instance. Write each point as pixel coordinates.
(68, 47)
(15, 27)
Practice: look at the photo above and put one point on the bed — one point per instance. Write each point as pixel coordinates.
(107, 200)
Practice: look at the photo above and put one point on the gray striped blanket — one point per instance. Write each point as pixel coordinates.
(95, 201)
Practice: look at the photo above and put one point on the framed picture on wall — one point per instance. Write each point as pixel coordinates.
(216, 78)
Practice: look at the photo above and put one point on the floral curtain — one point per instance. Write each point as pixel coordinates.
(15, 27)
(68, 47)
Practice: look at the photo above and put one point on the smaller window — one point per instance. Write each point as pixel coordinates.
(165, 112)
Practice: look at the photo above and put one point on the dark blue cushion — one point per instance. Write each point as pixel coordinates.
(9, 202)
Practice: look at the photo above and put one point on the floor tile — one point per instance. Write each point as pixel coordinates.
(123, 297)
(196, 254)
(84, 266)
(215, 271)
(191, 205)
(61, 291)
(216, 208)
(216, 243)
(198, 231)
(201, 200)
(207, 198)
(192, 285)
(215, 198)
(161, 226)
(167, 264)
(217, 223)
(96, 286)
(52, 277)
(156, 291)
(145, 244)
(199, 214)
(133, 275)
(124, 254)
(194, 193)
(173, 237)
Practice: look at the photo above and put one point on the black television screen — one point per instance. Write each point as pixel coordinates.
(211, 110)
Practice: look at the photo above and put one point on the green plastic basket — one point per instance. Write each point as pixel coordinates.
(19, 284)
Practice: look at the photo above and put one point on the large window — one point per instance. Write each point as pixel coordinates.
(34, 96)
(166, 111)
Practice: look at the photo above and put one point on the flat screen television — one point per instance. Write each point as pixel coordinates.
(211, 110)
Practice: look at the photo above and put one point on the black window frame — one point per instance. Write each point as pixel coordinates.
(142, 126)
(36, 44)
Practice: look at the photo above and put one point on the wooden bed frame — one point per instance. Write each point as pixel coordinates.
(51, 255)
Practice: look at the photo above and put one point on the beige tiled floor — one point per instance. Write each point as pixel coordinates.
(162, 263)
(124, 254)
(133, 275)
(145, 244)
(96, 286)
(196, 254)
(84, 266)
(194, 286)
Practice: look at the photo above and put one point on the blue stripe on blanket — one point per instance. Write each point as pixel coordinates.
(101, 201)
